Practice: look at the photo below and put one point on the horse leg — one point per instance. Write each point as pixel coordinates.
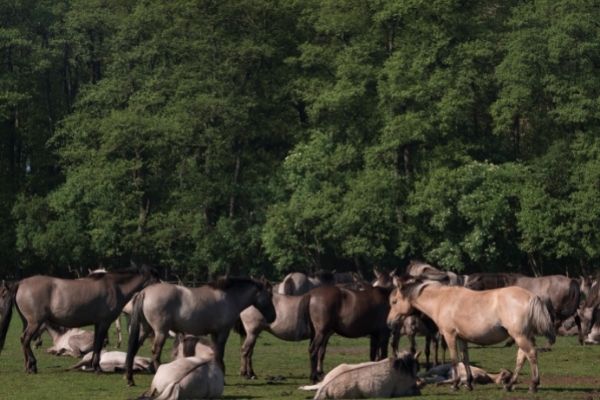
(395, 339)
(219, 340)
(100, 332)
(527, 348)
(520, 361)
(465, 359)
(427, 351)
(28, 333)
(316, 343)
(322, 349)
(436, 348)
(118, 328)
(579, 330)
(451, 342)
(157, 346)
(247, 350)
(373, 347)
(384, 338)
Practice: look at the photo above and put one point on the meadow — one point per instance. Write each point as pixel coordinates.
(569, 371)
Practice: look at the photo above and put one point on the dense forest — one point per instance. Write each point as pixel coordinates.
(246, 137)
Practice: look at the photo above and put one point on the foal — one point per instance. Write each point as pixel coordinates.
(463, 315)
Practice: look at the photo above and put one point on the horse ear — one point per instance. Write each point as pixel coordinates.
(394, 272)
(397, 282)
(376, 272)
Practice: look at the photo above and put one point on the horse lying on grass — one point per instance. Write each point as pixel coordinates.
(113, 361)
(444, 374)
(391, 377)
(194, 374)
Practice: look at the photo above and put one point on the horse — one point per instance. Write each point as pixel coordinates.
(443, 374)
(391, 377)
(411, 325)
(112, 361)
(590, 310)
(291, 324)
(297, 283)
(209, 309)
(482, 317)
(561, 294)
(423, 270)
(73, 342)
(94, 300)
(349, 313)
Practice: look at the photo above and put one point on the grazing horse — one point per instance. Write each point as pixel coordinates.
(348, 313)
(209, 309)
(291, 324)
(487, 317)
(94, 300)
(561, 294)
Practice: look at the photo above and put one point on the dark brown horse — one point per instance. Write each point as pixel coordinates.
(350, 314)
(94, 300)
(560, 293)
(209, 309)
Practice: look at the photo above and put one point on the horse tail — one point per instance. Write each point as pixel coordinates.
(6, 303)
(133, 345)
(238, 327)
(572, 302)
(539, 319)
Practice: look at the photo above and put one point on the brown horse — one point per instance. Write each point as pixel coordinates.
(487, 317)
(94, 300)
(209, 309)
(411, 325)
(348, 313)
(560, 293)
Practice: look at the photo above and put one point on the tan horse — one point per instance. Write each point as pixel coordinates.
(487, 317)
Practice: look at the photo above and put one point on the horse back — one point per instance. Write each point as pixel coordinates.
(68, 302)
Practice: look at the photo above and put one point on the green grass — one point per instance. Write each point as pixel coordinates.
(569, 371)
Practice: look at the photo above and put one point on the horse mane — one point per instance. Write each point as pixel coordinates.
(228, 283)
(412, 287)
(593, 298)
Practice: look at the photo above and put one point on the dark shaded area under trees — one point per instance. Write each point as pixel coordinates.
(240, 137)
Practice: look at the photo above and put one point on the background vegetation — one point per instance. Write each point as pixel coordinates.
(262, 136)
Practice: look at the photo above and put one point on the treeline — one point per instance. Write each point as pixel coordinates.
(213, 137)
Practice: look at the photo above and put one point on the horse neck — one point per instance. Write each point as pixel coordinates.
(131, 284)
(240, 297)
(428, 300)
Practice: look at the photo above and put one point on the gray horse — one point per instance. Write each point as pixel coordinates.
(210, 309)
(94, 300)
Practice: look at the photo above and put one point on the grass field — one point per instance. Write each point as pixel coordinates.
(569, 371)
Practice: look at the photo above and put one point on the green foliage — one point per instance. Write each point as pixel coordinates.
(257, 137)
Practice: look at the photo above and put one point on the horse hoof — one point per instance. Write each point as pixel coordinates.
(532, 389)
(454, 388)
(508, 388)
(469, 387)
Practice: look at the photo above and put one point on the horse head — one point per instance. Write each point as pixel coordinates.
(264, 300)
(400, 299)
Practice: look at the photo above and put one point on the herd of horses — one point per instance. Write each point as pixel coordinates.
(481, 308)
